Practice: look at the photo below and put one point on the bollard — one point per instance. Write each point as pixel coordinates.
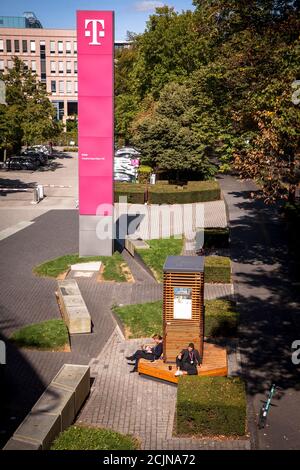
(40, 189)
(35, 195)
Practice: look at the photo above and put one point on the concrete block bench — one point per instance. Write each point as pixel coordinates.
(54, 411)
(73, 307)
(131, 244)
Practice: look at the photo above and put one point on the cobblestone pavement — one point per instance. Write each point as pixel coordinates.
(136, 405)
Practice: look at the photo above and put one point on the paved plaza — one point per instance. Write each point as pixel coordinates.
(30, 235)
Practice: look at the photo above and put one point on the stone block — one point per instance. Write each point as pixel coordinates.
(90, 267)
(57, 401)
(73, 308)
(40, 428)
(18, 444)
(74, 378)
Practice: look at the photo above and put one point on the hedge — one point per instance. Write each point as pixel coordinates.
(135, 193)
(211, 406)
(213, 238)
(217, 269)
(221, 318)
(196, 191)
(162, 193)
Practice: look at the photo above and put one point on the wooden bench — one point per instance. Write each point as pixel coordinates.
(214, 364)
(73, 307)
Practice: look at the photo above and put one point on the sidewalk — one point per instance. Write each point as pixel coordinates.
(268, 308)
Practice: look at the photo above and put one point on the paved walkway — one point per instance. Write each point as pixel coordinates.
(136, 405)
(269, 309)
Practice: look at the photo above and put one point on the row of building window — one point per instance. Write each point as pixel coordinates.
(16, 44)
(53, 66)
(61, 68)
(61, 87)
(26, 65)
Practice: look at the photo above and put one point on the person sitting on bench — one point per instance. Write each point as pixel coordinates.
(187, 361)
(147, 352)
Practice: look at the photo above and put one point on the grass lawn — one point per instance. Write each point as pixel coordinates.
(112, 266)
(211, 406)
(47, 335)
(89, 438)
(159, 250)
(143, 320)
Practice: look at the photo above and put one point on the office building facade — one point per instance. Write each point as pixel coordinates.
(50, 53)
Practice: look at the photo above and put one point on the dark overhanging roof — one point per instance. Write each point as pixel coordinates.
(184, 264)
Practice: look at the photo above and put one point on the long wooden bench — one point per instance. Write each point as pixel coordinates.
(214, 364)
(73, 307)
(54, 411)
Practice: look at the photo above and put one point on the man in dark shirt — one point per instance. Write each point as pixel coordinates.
(151, 354)
(187, 361)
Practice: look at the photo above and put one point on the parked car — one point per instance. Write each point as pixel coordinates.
(41, 157)
(22, 163)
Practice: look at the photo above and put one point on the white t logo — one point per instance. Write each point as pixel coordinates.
(95, 32)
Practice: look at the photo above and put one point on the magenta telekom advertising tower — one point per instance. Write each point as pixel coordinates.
(95, 49)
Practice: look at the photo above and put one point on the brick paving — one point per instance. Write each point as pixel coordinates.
(136, 405)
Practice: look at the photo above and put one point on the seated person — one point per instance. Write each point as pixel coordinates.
(147, 352)
(187, 361)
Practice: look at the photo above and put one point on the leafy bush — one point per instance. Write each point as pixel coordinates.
(89, 438)
(135, 193)
(221, 318)
(217, 269)
(213, 237)
(70, 149)
(144, 173)
(50, 334)
(211, 406)
(163, 193)
(194, 191)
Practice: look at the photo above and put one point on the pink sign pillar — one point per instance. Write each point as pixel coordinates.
(95, 49)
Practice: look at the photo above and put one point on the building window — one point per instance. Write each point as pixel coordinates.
(68, 47)
(60, 67)
(24, 45)
(69, 87)
(52, 47)
(60, 47)
(53, 66)
(1, 65)
(76, 87)
(32, 46)
(75, 47)
(68, 67)
(61, 86)
(1, 45)
(53, 86)
(33, 65)
(8, 45)
(25, 64)
(9, 64)
(17, 45)
(75, 67)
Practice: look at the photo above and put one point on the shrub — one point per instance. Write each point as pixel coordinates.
(195, 191)
(135, 193)
(89, 438)
(70, 149)
(213, 237)
(221, 318)
(144, 173)
(217, 269)
(211, 406)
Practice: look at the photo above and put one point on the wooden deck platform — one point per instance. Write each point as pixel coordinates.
(214, 364)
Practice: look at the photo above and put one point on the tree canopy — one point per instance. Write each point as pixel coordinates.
(216, 85)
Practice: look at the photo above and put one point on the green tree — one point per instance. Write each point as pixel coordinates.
(29, 116)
